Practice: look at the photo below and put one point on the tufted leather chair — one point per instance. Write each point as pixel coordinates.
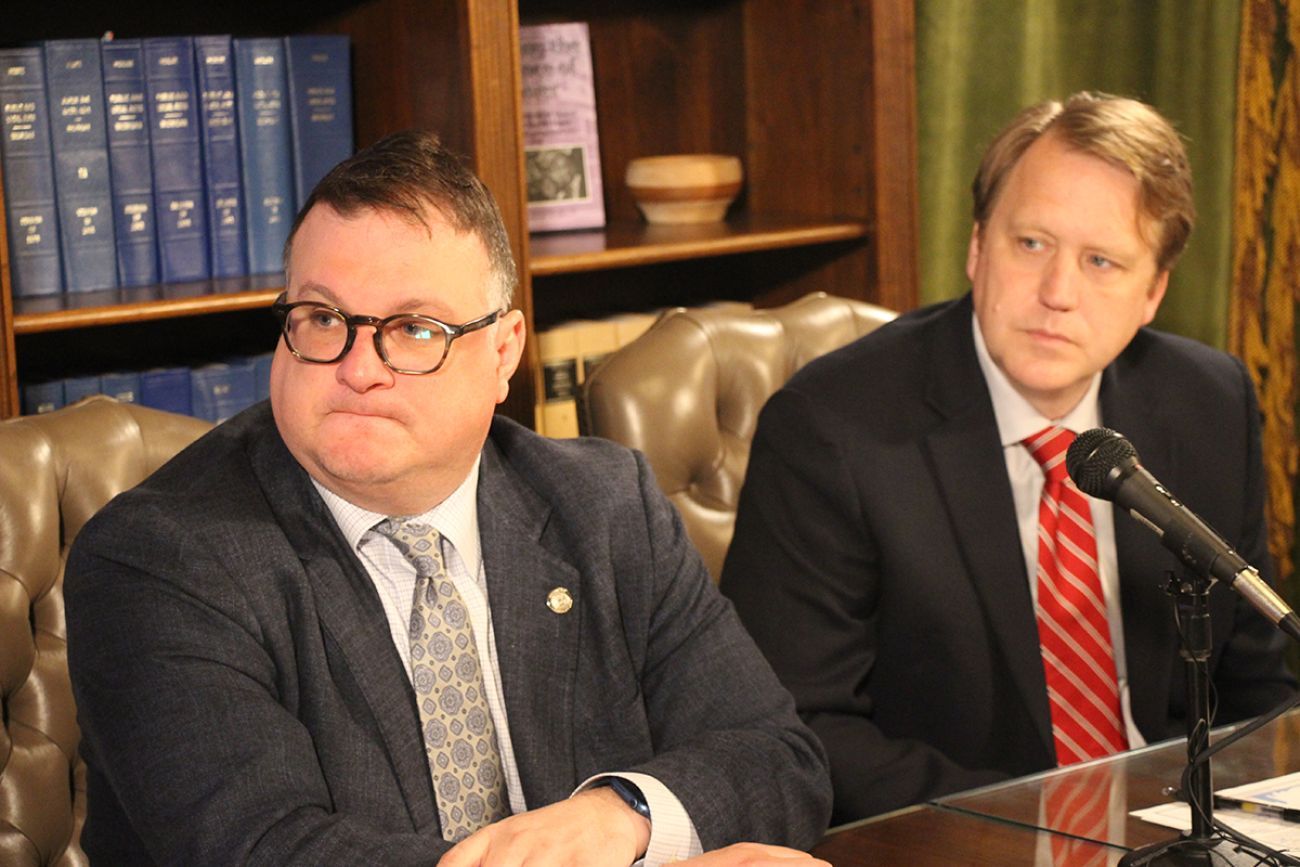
(56, 470)
(689, 390)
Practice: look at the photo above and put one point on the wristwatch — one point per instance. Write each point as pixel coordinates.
(630, 794)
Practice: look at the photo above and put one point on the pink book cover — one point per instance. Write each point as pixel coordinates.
(561, 147)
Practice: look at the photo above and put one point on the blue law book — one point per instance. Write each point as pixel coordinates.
(215, 64)
(179, 202)
(77, 387)
(320, 107)
(129, 165)
(265, 149)
(221, 390)
(74, 85)
(40, 397)
(30, 211)
(166, 388)
(123, 386)
(262, 375)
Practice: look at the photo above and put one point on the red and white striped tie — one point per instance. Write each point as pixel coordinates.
(1073, 632)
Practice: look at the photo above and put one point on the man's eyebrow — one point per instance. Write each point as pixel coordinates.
(411, 305)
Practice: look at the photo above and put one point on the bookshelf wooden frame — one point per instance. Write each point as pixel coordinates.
(817, 97)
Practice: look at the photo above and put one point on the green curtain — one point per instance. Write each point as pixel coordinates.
(979, 61)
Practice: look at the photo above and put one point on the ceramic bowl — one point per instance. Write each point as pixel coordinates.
(684, 188)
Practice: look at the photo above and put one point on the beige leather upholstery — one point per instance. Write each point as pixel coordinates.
(688, 393)
(56, 470)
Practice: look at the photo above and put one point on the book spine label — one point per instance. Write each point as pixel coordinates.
(79, 141)
(128, 158)
(216, 70)
(30, 211)
(179, 200)
(320, 107)
(265, 150)
(561, 144)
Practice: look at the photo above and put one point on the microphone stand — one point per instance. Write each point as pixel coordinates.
(1202, 845)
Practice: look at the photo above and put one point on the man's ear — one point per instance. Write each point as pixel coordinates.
(973, 252)
(510, 338)
(1155, 295)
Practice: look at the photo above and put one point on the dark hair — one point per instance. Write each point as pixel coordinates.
(406, 174)
(1125, 133)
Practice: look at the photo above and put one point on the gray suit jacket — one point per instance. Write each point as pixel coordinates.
(241, 700)
(877, 523)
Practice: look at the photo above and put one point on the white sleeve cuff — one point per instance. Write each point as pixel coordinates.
(672, 833)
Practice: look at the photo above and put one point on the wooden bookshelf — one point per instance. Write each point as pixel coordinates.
(815, 96)
(147, 303)
(631, 244)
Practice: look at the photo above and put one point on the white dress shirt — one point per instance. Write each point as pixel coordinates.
(1018, 420)
(672, 833)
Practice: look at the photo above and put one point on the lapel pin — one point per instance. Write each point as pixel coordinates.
(559, 600)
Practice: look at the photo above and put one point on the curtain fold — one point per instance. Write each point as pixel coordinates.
(1266, 246)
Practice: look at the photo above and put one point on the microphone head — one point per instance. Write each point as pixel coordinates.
(1093, 458)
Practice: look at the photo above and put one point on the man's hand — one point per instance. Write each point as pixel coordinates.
(754, 855)
(594, 828)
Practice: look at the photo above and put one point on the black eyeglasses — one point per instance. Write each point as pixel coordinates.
(407, 342)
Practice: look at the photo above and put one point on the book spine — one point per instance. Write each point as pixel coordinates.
(166, 388)
(43, 397)
(265, 149)
(179, 202)
(556, 414)
(77, 387)
(123, 385)
(30, 211)
(79, 142)
(130, 172)
(222, 390)
(216, 71)
(320, 107)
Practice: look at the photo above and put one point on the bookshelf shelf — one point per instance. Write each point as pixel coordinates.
(628, 244)
(149, 303)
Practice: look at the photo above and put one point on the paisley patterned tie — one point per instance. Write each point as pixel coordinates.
(459, 738)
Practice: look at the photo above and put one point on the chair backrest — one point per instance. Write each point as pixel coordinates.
(689, 390)
(56, 470)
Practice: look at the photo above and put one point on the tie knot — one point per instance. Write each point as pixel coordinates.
(1048, 447)
(420, 543)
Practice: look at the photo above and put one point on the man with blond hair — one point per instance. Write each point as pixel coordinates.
(946, 607)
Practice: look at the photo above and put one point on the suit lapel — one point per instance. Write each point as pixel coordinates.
(1147, 610)
(970, 471)
(537, 648)
(366, 664)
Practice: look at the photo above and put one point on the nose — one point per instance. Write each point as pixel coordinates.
(362, 369)
(1059, 287)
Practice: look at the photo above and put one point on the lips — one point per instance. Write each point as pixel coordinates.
(366, 413)
(1047, 336)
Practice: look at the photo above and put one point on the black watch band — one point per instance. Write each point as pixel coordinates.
(630, 793)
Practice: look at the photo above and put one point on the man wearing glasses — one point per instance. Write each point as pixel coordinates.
(375, 623)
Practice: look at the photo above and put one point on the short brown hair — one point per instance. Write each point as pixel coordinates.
(407, 173)
(1125, 133)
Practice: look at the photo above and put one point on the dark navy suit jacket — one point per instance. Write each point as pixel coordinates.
(877, 561)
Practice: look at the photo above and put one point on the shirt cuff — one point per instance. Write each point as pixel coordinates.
(672, 833)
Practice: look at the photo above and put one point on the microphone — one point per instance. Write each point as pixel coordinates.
(1105, 465)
